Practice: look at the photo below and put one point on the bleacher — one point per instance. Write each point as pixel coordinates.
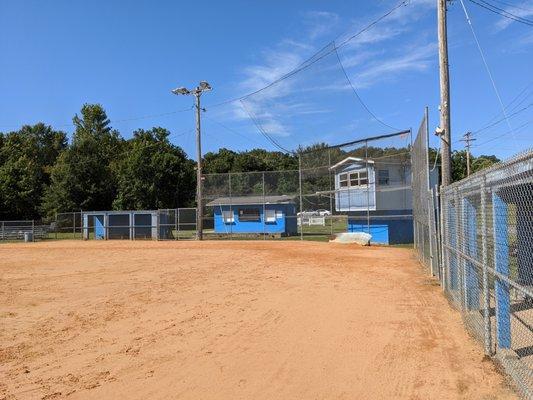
(16, 230)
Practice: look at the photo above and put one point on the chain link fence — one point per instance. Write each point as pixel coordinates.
(164, 224)
(477, 240)
(488, 261)
(425, 210)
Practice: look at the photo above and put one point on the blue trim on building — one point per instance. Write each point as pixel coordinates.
(285, 222)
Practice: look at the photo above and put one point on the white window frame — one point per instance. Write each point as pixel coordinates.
(228, 216)
(344, 180)
(270, 215)
(353, 179)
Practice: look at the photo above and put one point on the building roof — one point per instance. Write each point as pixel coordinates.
(351, 160)
(249, 200)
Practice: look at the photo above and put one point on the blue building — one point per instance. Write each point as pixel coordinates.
(377, 197)
(255, 215)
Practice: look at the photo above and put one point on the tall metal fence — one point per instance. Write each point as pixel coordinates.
(425, 209)
(487, 252)
(478, 241)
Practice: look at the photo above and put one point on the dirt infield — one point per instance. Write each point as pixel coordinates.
(230, 320)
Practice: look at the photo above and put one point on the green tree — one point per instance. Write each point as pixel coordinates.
(153, 173)
(83, 176)
(483, 162)
(26, 159)
(459, 170)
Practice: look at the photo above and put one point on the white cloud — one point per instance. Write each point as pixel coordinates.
(320, 23)
(373, 52)
(417, 59)
(523, 10)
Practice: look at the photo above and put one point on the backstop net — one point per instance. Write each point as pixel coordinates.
(359, 186)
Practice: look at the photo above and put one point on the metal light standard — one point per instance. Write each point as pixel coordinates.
(197, 92)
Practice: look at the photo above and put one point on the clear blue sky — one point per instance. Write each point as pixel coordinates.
(128, 55)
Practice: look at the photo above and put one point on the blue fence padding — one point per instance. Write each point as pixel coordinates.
(524, 242)
(471, 278)
(379, 233)
(452, 235)
(385, 230)
(99, 230)
(501, 265)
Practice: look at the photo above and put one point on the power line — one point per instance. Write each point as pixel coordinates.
(509, 14)
(263, 132)
(357, 94)
(503, 119)
(232, 130)
(513, 5)
(502, 12)
(486, 65)
(504, 134)
(314, 59)
(507, 107)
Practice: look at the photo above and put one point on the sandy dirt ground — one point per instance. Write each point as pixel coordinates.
(230, 320)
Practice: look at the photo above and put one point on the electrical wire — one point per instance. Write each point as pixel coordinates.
(357, 94)
(507, 107)
(502, 12)
(263, 132)
(313, 59)
(504, 134)
(486, 65)
(509, 14)
(231, 130)
(503, 119)
(513, 6)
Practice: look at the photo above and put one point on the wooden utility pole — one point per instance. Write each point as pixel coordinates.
(468, 139)
(444, 130)
(199, 207)
(197, 92)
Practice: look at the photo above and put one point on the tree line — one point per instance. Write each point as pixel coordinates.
(43, 173)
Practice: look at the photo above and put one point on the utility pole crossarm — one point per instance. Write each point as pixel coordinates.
(468, 139)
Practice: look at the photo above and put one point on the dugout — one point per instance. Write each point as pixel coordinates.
(109, 225)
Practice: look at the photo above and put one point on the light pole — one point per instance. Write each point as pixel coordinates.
(197, 92)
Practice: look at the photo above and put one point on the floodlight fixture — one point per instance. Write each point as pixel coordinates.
(204, 86)
(181, 90)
